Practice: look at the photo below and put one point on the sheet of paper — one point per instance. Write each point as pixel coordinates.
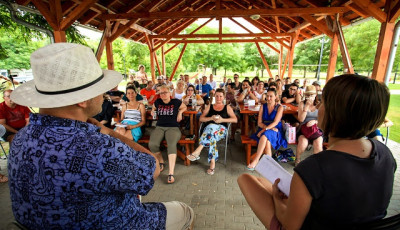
(271, 170)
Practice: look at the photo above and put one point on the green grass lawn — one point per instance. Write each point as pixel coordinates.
(394, 116)
(394, 86)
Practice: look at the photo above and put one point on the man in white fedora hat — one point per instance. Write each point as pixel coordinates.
(68, 173)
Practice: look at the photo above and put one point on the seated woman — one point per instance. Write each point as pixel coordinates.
(107, 112)
(191, 94)
(245, 92)
(309, 133)
(179, 91)
(376, 134)
(344, 186)
(134, 116)
(269, 133)
(169, 113)
(260, 91)
(215, 117)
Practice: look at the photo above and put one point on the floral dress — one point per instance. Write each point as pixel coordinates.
(211, 135)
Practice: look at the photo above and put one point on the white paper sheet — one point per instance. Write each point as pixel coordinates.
(271, 170)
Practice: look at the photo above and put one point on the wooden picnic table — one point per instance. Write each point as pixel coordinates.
(253, 110)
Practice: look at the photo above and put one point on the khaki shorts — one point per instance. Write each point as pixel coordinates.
(179, 215)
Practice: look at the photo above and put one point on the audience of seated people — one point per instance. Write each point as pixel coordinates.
(169, 105)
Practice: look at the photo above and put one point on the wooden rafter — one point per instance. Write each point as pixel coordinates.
(257, 35)
(222, 41)
(263, 59)
(228, 13)
(394, 12)
(177, 62)
(76, 13)
(356, 9)
(371, 9)
(45, 11)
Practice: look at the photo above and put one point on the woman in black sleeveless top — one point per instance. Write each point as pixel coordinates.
(215, 118)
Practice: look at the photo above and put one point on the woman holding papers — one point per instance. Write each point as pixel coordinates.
(216, 117)
(347, 185)
(270, 132)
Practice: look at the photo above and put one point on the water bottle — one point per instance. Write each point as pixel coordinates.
(194, 103)
(200, 85)
(246, 104)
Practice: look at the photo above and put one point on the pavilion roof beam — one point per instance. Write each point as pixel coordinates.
(223, 35)
(222, 41)
(166, 21)
(322, 27)
(356, 9)
(263, 30)
(190, 21)
(394, 12)
(276, 17)
(194, 31)
(128, 25)
(227, 13)
(372, 9)
(173, 6)
(76, 13)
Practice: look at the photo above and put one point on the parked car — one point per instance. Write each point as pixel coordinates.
(21, 75)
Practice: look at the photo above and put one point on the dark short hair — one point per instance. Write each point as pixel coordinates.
(232, 85)
(355, 106)
(220, 91)
(132, 87)
(255, 78)
(271, 90)
(294, 84)
(272, 84)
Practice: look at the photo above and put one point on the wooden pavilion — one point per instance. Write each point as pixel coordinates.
(284, 22)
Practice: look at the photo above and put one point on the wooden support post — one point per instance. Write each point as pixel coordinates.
(280, 61)
(157, 63)
(263, 59)
(291, 53)
(382, 51)
(332, 57)
(177, 62)
(152, 69)
(110, 57)
(164, 71)
(59, 36)
(347, 65)
(284, 66)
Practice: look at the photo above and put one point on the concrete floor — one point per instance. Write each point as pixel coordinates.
(216, 200)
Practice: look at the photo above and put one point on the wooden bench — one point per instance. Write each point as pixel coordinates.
(248, 143)
(188, 144)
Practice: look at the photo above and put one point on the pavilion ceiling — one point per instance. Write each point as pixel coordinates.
(163, 20)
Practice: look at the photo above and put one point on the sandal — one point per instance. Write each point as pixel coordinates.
(171, 179)
(192, 157)
(211, 171)
(162, 165)
(249, 168)
(296, 162)
(3, 179)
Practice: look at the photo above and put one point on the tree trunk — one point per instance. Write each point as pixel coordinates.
(305, 71)
(225, 73)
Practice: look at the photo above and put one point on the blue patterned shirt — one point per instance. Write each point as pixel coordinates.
(65, 174)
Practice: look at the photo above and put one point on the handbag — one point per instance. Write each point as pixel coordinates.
(311, 132)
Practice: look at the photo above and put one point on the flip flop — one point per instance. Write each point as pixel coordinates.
(250, 169)
(211, 171)
(192, 157)
(3, 179)
(171, 179)
(162, 165)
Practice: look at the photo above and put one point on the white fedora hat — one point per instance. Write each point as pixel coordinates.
(64, 74)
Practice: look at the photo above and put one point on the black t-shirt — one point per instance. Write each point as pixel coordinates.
(106, 113)
(287, 95)
(167, 113)
(223, 113)
(346, 189)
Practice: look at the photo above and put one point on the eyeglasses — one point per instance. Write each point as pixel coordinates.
(190, 90)
(292, 89)
(235, 77)
(7, 96)
(164, 93)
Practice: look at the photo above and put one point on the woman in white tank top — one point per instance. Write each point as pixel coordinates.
(179, 91)
(133, 115)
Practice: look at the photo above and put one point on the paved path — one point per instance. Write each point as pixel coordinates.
(216, 200)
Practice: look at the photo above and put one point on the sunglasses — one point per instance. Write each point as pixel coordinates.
(164, 93)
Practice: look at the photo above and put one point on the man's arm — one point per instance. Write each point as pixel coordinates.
(8, 128)
(127, 141)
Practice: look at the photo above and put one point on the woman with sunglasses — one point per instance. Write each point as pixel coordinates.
(191, 96)
(169, 113)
